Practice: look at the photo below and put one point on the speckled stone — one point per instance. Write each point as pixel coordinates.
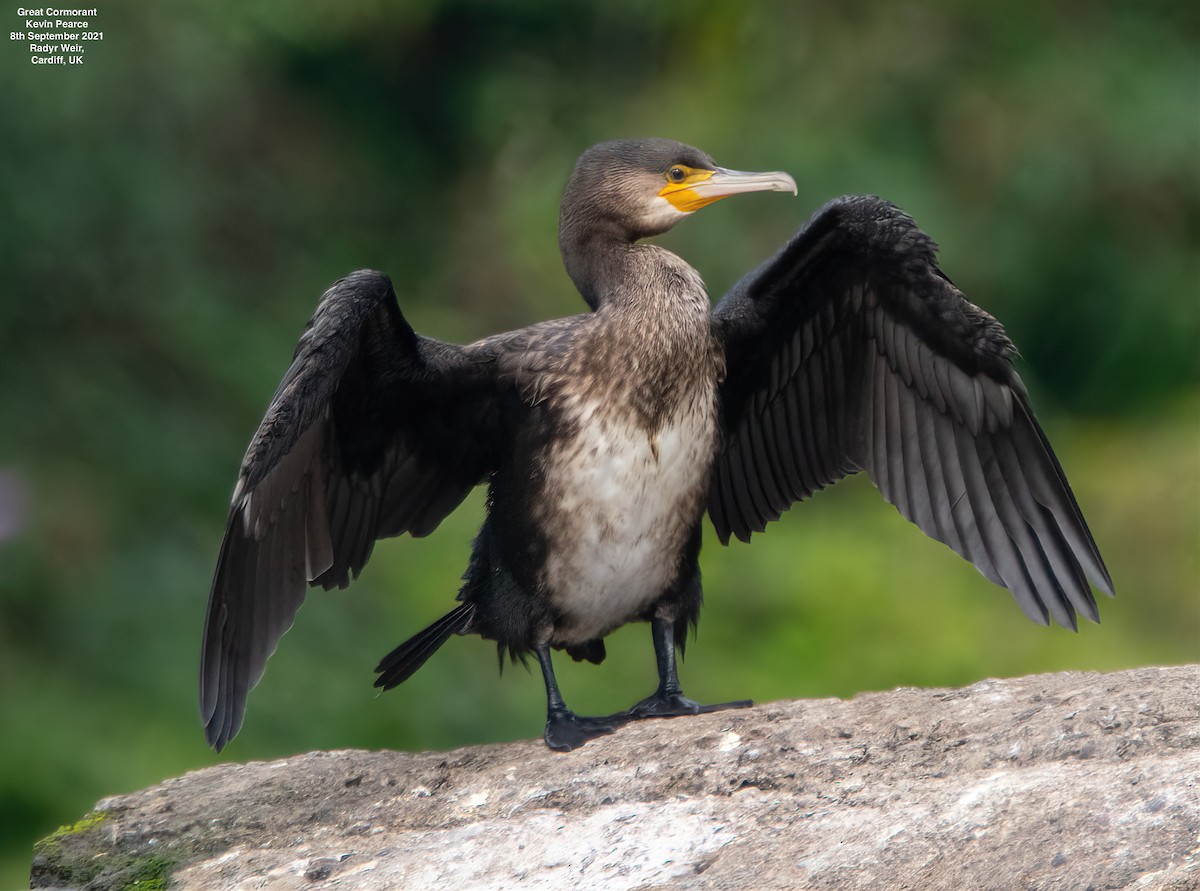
(1047, 782)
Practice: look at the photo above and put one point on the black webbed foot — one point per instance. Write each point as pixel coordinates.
(672, 705)
(566, 731)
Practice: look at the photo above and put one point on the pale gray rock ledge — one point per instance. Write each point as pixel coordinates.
(1060, 781)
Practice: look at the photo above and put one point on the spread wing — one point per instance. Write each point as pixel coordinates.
(850, 350)
(373, 432)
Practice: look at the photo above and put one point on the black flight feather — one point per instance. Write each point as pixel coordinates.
(901, 376)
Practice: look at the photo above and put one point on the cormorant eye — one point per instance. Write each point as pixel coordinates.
(677, 174)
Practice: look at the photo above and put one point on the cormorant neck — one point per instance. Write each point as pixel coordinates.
(597, 258)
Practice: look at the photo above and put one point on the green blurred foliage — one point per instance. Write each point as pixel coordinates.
(172, 210)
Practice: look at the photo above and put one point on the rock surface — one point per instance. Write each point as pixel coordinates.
(1047, 782)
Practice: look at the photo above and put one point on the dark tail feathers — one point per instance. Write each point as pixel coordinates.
(402, 663)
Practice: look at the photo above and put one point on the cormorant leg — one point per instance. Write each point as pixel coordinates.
(564, 729)
(668, 701)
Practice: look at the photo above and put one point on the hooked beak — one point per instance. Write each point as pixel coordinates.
(703, 187)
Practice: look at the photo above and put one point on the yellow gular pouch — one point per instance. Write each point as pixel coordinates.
(681, 194)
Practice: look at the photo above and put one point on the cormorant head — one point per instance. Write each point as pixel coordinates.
(634, 188)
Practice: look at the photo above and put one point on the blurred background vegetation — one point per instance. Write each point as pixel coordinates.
(171, 211)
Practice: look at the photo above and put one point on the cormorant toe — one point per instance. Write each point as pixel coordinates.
(672, 705)
(566, 730)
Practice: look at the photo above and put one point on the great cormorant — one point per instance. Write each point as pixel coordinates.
(605, 437)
